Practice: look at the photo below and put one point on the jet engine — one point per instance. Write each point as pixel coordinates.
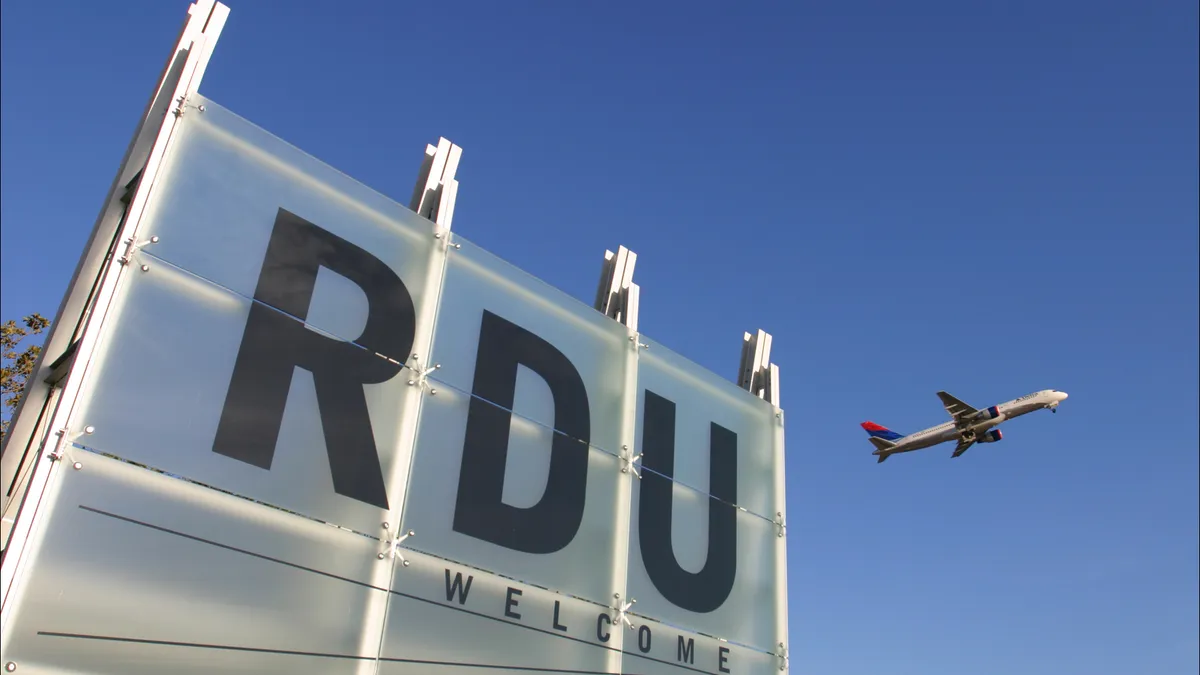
(990, 436)
(991, 413)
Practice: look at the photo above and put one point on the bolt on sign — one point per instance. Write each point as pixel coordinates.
(304, 428)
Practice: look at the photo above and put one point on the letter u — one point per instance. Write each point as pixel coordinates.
(706, 590)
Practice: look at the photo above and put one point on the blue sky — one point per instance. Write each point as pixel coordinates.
(986, 198)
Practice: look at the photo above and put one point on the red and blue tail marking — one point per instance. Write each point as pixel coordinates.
(877, 431)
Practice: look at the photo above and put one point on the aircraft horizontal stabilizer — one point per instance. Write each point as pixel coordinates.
(882, 447)
(881, 444)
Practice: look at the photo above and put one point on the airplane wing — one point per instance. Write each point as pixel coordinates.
(957, 409)
(962, 447)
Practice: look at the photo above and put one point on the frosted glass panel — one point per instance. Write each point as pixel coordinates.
(554, 338)
(136, 572)
(731, 595)
(697, 399)
(556, 533)
(216, 204)
(448, 618)
(653, 648)
(157, 394)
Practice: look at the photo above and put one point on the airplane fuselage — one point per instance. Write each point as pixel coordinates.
(978, 428)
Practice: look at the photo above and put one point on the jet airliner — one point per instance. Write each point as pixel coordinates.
(967, 426)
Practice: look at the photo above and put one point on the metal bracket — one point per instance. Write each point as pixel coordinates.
(436, 190)
(782, 654)
(65, 436)
(133, 246)
(393, 549)
(57, 452)
(629, 461)
(617, 296)
(622, 612)
(780, 525)
(756, 373)
(421, 375)
(181, 109)
(447, 244)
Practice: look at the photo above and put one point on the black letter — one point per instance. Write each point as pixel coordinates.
(511, 602)
(457, 587)
(274, 344)
(644, 630)
(705, 590)
(686, 652)
(601, 634)
(556, 624)
(723, 659)
(479, 512)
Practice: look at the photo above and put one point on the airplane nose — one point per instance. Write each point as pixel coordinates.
(1062, 395)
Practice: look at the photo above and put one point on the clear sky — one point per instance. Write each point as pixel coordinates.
(987, 198)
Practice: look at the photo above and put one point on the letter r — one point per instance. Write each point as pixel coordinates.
(274, 344)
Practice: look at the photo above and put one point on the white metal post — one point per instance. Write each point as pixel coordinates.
(433, 198)
(631, 471)
(82, 312)
(618, 298)
(756, 373)
(436, 189)
(760, 377)
(616, 294)
(782, 643)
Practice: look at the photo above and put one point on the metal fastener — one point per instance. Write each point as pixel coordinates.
(89, 430)
(78, 465)
(10, 666)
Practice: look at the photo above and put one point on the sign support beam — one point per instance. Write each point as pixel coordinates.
(617, 298)
(433, 197)
(616, 295)
(436, 189)
(757, 374)
(25, 459)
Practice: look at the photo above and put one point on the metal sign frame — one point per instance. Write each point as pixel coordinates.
(40, 429)
(33, 442)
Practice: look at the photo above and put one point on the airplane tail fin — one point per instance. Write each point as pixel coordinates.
(877, 431)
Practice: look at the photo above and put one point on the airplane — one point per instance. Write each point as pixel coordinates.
(968, 426)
